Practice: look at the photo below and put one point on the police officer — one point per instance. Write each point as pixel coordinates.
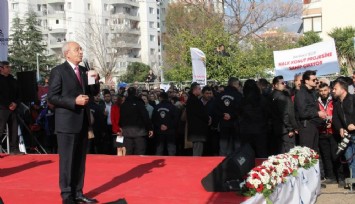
(227, 105)
(165, 120)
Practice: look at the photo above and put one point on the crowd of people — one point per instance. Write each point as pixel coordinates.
(217, 120)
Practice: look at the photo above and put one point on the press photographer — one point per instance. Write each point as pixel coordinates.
(344, 119)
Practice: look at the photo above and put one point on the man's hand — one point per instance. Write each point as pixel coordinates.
(291, 134)
(322, 114)
(329, 125)
(341, 132)
(226, 116)
(163, 127)
(12, 106)
(82, 100)
(209, 120)
(150, 134)
(351, 127)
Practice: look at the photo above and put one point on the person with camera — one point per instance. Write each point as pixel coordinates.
(344, 119)
(327, 143)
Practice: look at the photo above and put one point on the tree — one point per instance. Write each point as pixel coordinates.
(309, 38)
(25, 43)
(345, 47)
(188, 26)
(245, 18)
(105, 47)
(136, 71)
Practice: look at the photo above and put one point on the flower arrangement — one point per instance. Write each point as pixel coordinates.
(275, 170)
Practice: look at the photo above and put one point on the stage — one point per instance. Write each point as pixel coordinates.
(139, 179)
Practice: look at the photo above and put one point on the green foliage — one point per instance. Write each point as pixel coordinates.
(136, 71)
(309, 38)
(345, 46)
(190, 26)
(25, 43)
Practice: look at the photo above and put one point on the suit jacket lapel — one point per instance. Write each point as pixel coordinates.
(72, 74)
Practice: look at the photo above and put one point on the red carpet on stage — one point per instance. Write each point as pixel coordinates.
(139, 179)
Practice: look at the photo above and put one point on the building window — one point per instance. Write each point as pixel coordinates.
(62, 7)
(89, 7)
(152, 51)
(106, 22)
(158, 11)
(158, 25)
(69, 5)
(312, 24)
(15, 6)
(128, 10)
(38, 7)
(89, 20)
(151, 10)
(57, 21)
(151, 24)
(163, 11)
(106, 7)
(152, 38)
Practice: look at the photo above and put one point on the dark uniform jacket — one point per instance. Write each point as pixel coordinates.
(165, 113)
(228, 102)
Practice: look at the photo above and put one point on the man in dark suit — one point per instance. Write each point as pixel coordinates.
(69, 93)
(198, 120)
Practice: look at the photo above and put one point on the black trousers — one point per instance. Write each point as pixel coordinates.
(309, 136)
(10, 118)
(228, 141)
(135, 145)
(72, 157)
(168, 141)
(328, 147)
(286, 143)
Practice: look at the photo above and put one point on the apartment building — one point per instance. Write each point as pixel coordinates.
(131, 27)
(324, 15)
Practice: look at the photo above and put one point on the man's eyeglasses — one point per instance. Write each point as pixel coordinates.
(283, 83)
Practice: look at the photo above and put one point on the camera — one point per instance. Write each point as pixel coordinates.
(344, 143)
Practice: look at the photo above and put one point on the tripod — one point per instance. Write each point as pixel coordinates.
(6, 137)
(22, 122)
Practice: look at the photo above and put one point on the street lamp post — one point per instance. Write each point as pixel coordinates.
(37, 55)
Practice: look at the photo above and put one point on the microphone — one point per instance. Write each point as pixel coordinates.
(86, 64)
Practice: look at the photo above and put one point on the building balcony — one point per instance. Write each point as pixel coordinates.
(55, 1)
(121, 29)
(125, 2)
(125, 16)
(123, 44)
(52, 30)
(56, 14)
(54, 44)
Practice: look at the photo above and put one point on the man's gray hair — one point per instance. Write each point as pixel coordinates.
(65, 47)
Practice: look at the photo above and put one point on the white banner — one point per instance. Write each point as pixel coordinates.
(321, 57)
(198, 59)
(4, 29)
